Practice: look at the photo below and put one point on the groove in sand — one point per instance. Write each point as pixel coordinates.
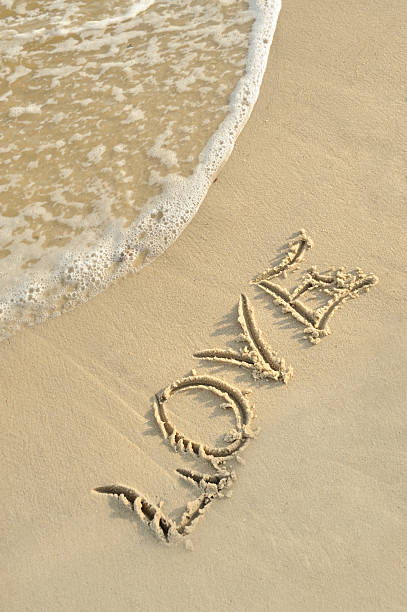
(297, 247)
(235, 399)
(256, 355)
(211, 485)
(340, 286)
(165, 528)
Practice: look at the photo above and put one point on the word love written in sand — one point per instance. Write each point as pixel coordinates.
(263, 362)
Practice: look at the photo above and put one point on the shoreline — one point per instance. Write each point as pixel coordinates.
(317, 518)
(69, 282)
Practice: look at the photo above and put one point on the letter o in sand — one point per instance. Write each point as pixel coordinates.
(234, 399)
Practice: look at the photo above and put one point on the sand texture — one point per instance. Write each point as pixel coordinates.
(239, 465)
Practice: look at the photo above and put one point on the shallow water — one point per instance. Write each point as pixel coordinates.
(115, 118)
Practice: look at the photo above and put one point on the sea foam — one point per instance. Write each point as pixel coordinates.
(115, 122)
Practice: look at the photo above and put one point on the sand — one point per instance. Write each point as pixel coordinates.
(317, 519)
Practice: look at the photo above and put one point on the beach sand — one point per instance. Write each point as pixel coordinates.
(317, 519)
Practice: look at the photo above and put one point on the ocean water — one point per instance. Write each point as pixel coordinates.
(116, 116)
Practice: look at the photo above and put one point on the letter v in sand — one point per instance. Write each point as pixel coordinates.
(256, 355)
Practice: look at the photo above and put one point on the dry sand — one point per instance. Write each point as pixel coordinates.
(317, 520)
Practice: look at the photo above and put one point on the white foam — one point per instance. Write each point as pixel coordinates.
(18, 73)
(135, 9)
(136, 114)
(83, 273)
(161, 152)
(16, 111)
(95, 155)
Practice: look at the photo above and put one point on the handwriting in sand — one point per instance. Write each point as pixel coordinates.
(264, 363)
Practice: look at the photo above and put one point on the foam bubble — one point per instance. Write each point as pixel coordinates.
(16, 111)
